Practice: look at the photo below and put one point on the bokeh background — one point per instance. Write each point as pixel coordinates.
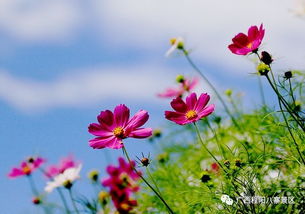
(63, 61)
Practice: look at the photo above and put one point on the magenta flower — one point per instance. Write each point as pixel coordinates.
(191, 111)
(26, 167)
(186, 85)
(243, 44)
(64, 164)
(122, 183)
(114, 127)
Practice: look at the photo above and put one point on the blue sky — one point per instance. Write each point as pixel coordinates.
(62, 62)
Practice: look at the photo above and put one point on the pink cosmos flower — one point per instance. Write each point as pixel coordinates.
(26, 167)
(114, 127)
(186, 85)
(190, 111)
(64, 164)
(122, 183)
(244, 44)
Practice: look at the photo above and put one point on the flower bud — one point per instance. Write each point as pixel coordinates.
(205, 177)
(288, 74)
(93, 175)
(180, 78)
(238, 163)
(217, 119)
(266, 58)
(228, 92)
(263, 69)
(67, 184)
(36, 200)
(145, 161)
(227, 163)
(297, 105)
(157, 133)
(102, 197)
(163, 157)
(30, 159)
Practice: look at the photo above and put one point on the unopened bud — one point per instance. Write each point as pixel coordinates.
(178, 42)
(93, 175)
(297, 105)
(266, 58)
(228, 92)
(238, 163)
(157, 133)
(205, 177)
(263, 69)
(180, 78)
(227, 163)
(36, 200)
(102, 197)
(145, 161)
(217, 119)
(162, 158)
(67, 184)
(288, 74)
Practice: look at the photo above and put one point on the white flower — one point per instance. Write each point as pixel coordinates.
(176, 43)
(224, 198)
(229, 201)
(65, 178)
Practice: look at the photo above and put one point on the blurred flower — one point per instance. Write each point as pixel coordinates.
(93, 175)
(244, 44)
(65, 163)
(228, 92)
(64, 179)
(122, 183)
(215, 167)
(26, 167)
(177, 43)
(191, 111)
(163, 157)
(114, 127)
(186, 85)
(102, 197)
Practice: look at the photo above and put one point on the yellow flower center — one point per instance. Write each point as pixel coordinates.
(191, 114)
(173, 41)
(125, 206)
(26, 170)
(119, 132)
(249, 45)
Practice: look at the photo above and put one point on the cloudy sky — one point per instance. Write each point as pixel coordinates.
(61, 62)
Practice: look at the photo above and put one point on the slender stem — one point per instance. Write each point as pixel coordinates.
(147, 183)
(211, 86)
(295, 143)
(261, 91)
(217, 140)
(204, 146)
(60, 193)
(73, 202)
(291, 91)
(63, 199)
(152, 179)
(32, 185)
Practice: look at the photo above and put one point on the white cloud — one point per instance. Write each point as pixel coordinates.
(86, 87)
(39, 20)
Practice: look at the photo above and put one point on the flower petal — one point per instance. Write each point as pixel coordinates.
(97, 130)
(179, 105)
(121, 115)
(141, 133)
(191, 101)
(106, 117)
(176, 117)
(202, 102)
(110, 142)
(253, 33)
(241, 40)
(138, 120)
(15, 173)
(206, 111)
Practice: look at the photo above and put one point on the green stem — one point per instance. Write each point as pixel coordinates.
(261, 91)
(217, 140)
(152, 179)
(73, 202)
(211, 86)
(204, 146)
(147, 183)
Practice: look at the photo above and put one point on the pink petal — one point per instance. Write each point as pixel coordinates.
(97, 130)
(121, 115)
(191, 101)
(176, 117)
(15, 173)
(206, 111)
(253, 33)
(193, 83)
(179, 105)
(202, 102)
(138, 120)
(237, 50)
(106, 117)
(170, 92)
(110, 142)
(241, 40)
(38, 161)
(141, 133)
